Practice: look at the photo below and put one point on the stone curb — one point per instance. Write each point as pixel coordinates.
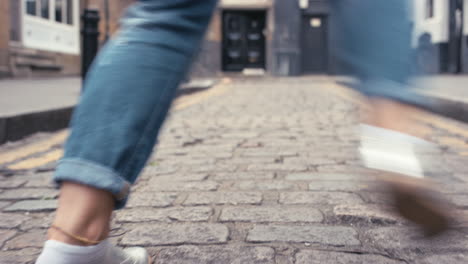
(13, 128)
(435, 103)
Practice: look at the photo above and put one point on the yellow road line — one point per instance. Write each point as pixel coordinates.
(32, 163)
(32, 148)
(189, 100)
(348, 94)
(22, 152)
(435, 120)
(439, 122)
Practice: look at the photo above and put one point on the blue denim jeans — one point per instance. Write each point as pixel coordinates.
(132, 82)
(374, 40)
(128, 92)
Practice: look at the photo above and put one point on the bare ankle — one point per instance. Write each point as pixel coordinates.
(83, 212)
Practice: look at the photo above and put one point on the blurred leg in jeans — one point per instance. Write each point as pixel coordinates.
(126, 97)
(375, 41)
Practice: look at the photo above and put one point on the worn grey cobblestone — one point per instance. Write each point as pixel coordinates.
(216, 254)
(366, 213)
(4, 204)
(37, 221)
(29, 193)
(32, 206)
(153, 199)
(5, 235)
(460, 200)
(325, 177)
(175, 234)
(27, 255)
(40, 180)
(11, 183)
(446, 258)
(319, 198)
(267, 173)
(235, 176)
(265, 185)
(351, 186)
(12, 220)
(33, 238)
(320, 257)
(172, 186)
(174, 214)
(271, 214)
(401, 238)
(231, 198)
(325, 235)
(182, 177)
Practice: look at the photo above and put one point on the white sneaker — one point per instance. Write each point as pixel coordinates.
(134, 255)
(56, 252)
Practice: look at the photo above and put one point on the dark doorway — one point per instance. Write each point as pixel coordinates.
(243, 40)
(314, 44)
(455, 36)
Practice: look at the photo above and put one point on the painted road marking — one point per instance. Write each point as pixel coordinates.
(437, 121)
(33, 148)
(44, 145)
(35, 162)
(189, 100)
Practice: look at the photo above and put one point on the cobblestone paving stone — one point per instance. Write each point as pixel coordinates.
(320, 257)
(325, 235)
(151, 199)
(218, 254)
(265, 173)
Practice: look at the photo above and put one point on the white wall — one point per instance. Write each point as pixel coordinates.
(438, 26)
(38, 33)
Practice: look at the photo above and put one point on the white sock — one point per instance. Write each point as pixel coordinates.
(55, 252)
(389, 150)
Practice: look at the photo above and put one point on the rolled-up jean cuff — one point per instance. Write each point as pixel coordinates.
(94, 175)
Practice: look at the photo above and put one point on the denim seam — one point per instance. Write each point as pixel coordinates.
(97, 166)
(148, 126)
(88, 163)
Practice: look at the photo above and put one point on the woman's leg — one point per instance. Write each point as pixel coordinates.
(126, 97)
(375, 41)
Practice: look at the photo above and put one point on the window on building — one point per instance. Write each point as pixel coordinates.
(31, 7)
(429, 9)
(45, 9)
(59, 10)
(50, 25)
(70, 12)
(15, 8)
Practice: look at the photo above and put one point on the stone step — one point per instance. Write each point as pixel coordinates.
(19, 51)
(37, 63)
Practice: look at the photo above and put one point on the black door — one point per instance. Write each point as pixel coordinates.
(455, 36)
(243, 40)
(314, 44)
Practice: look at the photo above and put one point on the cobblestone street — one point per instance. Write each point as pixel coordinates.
(259, 171)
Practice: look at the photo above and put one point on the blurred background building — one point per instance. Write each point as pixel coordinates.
(441, 35)
(41, 38)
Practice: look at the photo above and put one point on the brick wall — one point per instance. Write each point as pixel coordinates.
(4, 35)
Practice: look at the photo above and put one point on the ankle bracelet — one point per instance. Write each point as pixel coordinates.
(79, 238)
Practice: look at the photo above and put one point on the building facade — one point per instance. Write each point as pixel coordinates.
(279, 37)
(441, 35)
(41, 38)
(275, 37)
(295, 37)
